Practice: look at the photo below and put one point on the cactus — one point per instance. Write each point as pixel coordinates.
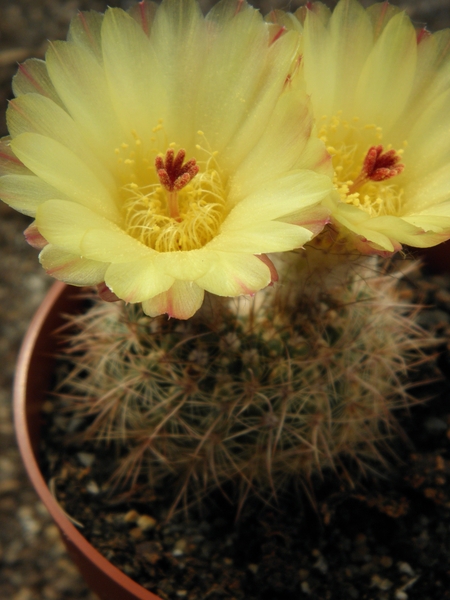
(257, 393)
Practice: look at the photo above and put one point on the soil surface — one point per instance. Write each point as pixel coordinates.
(33, 562)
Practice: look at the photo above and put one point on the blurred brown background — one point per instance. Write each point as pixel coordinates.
(33, 563)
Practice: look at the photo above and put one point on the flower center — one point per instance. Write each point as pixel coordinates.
(168, 204)
(364, 171)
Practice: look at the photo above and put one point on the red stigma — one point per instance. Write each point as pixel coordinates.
(172, 173)
(379, 165)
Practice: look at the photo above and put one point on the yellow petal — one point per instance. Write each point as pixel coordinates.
(179, 41)
(435, 218)
(380, 14)
(405, 232)
(429, 140)
(388, 74)
(144, 14)
(254, 82)
(37, 114)
(317, 53)
(71, 268)
(9, 163)
(137, 281)
(280, 148)
(234, 274)
(181, 301)
(80, 82)
(133, 73)
(33, 78)
(263, 237)
(113, 246)
(186, 266)
(85, 31)
(427, 191)
(351, 40)
(64, 223)
(62, 169)
(278, 199)
(26, 192)
(268, 78)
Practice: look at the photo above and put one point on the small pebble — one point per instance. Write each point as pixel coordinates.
(405, 568)
(31, 526)
(24, 594)
(136, 533)
(252, 568)
(400, 595)
(179, 548)
(146, 522)
(386, 561)
(86, 459)
(92, 488)
(381, 584)
(303, 574)
(321, 565)
(9, 485)
(131, 516)
(304, 586)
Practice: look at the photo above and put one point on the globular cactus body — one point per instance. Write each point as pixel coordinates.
(256, 392)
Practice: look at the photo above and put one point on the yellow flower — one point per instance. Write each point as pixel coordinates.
(163, 154)
(381, 94)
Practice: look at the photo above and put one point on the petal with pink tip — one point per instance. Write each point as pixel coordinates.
(33, 78)
(85, 31)
(71, 268)
(313, 218)
(26, 193)
(233, 274)
(181, 301)
(34, 237)
(9, 162)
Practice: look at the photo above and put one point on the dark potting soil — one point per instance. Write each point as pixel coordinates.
(384, 537)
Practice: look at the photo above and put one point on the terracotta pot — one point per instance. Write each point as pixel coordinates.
(33, 380)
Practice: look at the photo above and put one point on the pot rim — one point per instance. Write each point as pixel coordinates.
(20, 394)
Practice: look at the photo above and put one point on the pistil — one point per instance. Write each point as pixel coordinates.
(174, 176)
